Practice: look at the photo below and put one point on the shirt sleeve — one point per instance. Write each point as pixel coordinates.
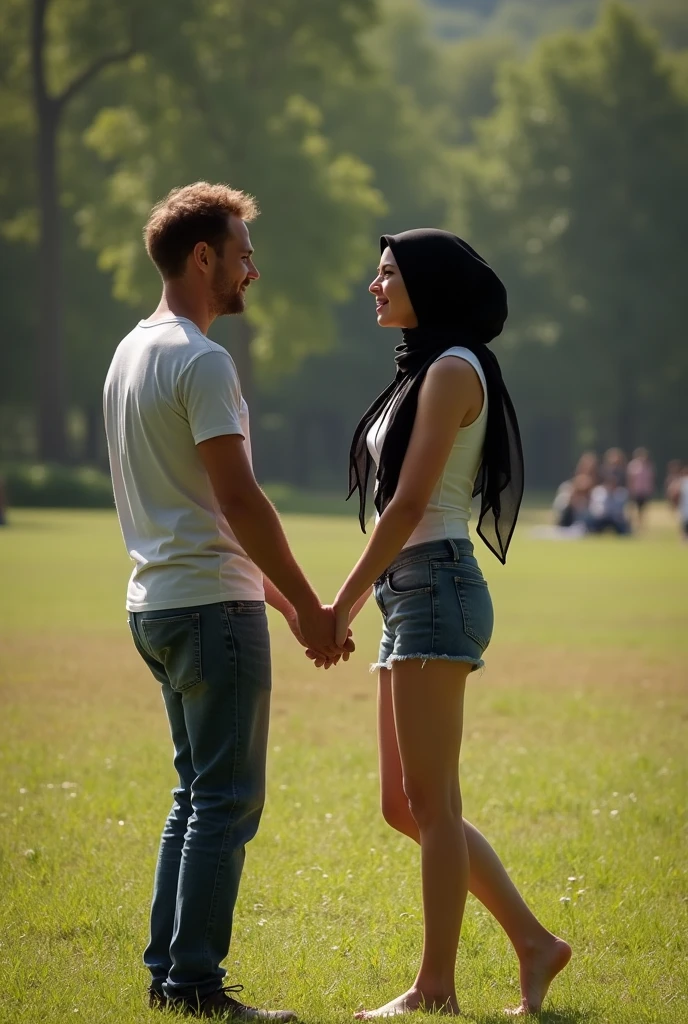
(210, 393)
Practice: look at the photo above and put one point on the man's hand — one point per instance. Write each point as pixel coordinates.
(320, 660)
(343, 639)
(316, 624)
(292, 620)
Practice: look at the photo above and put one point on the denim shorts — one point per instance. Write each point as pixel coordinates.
(435, 605)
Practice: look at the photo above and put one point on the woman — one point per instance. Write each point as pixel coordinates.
(444, 429)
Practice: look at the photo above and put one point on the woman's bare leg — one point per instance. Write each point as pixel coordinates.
(428, 713)
(541, 954)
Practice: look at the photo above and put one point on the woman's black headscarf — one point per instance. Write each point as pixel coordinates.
(458, 300)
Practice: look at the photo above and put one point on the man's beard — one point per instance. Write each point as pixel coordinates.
(227, 299)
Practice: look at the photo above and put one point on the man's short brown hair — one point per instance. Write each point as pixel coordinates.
(192, 214)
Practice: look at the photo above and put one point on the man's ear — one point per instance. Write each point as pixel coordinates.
(201, 257)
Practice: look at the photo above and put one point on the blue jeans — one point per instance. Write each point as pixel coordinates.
(213, 663)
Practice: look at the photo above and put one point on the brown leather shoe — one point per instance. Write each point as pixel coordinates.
(223, 1006)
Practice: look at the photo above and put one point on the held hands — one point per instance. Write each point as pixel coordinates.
(321, 631)
(342, 636)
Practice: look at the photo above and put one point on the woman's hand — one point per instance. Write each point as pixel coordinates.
(342, 630)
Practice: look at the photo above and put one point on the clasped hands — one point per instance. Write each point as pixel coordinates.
(324, 632)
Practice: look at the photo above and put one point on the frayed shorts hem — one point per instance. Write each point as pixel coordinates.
(475, 662)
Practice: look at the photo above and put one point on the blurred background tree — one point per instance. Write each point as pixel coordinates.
(574, 185)
(552, 133)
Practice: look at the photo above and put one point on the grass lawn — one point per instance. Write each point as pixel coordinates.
(574, 766)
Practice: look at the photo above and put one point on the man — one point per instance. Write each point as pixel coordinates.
(208, 551)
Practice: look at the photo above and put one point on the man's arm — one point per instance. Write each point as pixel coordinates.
(257, 527)
(276, 599)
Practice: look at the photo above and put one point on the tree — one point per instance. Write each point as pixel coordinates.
(668, 17)
(50, 104)
(18, 226)
(470, 70)
(573, 185)
(66, 63)
(394, 114)
(243, 104)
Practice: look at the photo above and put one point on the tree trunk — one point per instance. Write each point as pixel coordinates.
(301, 451)
(95, 435)
(52, 436)
(50, 379)
(549, 450)
(626, 405)
(50, 368)
(240, 337)
(626, 411)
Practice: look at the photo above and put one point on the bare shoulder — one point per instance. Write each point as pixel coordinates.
(451, 373)
(452, 390)
(454, 367)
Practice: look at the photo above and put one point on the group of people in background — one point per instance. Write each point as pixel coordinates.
(611, 494)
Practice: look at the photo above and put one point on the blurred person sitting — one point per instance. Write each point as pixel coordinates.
(640, 480)
(614, 467)
(607, 510)
(572, 500)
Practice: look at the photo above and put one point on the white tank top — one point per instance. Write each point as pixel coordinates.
(449, 509)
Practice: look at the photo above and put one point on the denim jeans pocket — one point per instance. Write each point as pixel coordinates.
(412, 578)
(476, 608)
(175, 641)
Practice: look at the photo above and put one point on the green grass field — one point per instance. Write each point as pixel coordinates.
(574, 766)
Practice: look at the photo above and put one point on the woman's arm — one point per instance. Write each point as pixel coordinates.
(451, 394)
(359, 603)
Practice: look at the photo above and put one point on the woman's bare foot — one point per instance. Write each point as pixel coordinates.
(412, 1000)
(539, 967)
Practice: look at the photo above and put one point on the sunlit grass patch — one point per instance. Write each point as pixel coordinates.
(574, 766)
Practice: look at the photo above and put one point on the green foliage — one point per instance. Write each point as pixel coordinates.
(41, 486)
(242, 105)
(562, 163)
(668, 17)
(470, 72)
(573, 185)
(18, 225)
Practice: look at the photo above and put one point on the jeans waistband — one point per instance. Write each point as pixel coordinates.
(434, 550)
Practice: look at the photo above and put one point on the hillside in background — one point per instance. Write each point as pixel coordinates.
(527, 20)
